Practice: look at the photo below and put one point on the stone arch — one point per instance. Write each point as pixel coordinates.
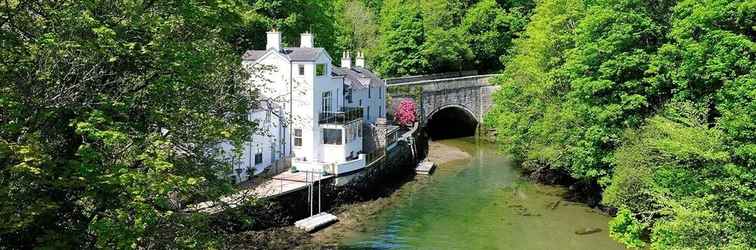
(451, 120)
(462, 107)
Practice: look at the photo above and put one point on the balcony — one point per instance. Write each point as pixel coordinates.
(344, 116)
(335, 168)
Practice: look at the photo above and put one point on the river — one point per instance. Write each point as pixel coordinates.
(481, 203)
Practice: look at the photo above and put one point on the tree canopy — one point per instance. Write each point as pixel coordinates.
(435, 36)
(110, 111)
(654, 100)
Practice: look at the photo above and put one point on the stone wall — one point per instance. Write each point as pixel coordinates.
(405, 79)
(471, 93)
(378, 180)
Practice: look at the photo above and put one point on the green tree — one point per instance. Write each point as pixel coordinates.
(489, 29)
(110, 112)
(399, 49)
(712, 51)
(675, 177)
(697, 171)
(614, 45)
(654, 100)
(527, 110)
(357, 28)
(444, 46)
(291, 17)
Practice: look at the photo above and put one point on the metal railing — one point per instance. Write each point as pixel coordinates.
(343, 116)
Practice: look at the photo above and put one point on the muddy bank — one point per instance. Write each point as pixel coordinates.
(354, 218)
(587, 192)
(441, 153)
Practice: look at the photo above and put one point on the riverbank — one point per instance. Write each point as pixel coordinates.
(588, 193)
(355, 217)
(484, 202)
(498, 200)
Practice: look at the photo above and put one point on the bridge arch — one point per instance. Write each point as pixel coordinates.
(466, 109)
(451, 121)
(457, 103)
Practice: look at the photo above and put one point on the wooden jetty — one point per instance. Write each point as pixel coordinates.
(425, 167)
(316, 222)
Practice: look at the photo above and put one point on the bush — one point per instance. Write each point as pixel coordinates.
(405, 114)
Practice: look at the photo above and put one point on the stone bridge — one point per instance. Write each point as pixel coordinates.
(454, 103)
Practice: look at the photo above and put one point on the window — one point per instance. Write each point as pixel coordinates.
(320, 69)
(332, 136)
(258, 155)
(298, 137)
(326, 103)
(360, 102)
(369, 91)
(380, 92)
(348, 95)
(380, 111)
(348, 133)
(368, 113)
(301, 69)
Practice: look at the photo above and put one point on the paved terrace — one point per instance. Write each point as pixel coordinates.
(280, 184)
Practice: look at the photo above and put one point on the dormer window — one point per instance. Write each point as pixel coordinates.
(320, 69)
(301, 70)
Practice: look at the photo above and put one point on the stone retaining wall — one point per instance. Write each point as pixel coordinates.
(380, 179)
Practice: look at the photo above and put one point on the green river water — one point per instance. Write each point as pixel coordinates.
(482, 203)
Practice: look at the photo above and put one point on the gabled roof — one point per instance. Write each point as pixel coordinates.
(290, 53)
(358, 77)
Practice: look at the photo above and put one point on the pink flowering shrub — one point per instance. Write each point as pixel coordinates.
(405, 113)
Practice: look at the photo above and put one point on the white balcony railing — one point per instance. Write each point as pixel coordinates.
(330, 168)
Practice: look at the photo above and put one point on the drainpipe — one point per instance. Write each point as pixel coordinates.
(291, 104)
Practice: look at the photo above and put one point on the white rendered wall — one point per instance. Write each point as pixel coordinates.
(274, 86)
(264, 140)
(376, 100)
(324, 83)
(283, 84)
(339, 153)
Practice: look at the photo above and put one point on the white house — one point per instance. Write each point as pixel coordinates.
(314, 113)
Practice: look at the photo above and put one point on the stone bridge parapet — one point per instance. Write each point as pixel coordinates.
(469, 93)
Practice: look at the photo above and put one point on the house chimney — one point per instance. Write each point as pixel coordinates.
(306, 40)
(360, 61)
(274, 40)
(346, 60)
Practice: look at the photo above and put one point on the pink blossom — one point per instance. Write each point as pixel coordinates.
(405, 113)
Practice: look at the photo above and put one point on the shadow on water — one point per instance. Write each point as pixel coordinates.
(451, 122)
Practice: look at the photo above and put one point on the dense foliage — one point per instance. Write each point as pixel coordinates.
(291, 18)
(654, 100)
(109, 116)
(403, 37)
(110, 110)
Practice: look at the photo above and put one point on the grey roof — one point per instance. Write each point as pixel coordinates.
(291, 53)
(358, 77)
